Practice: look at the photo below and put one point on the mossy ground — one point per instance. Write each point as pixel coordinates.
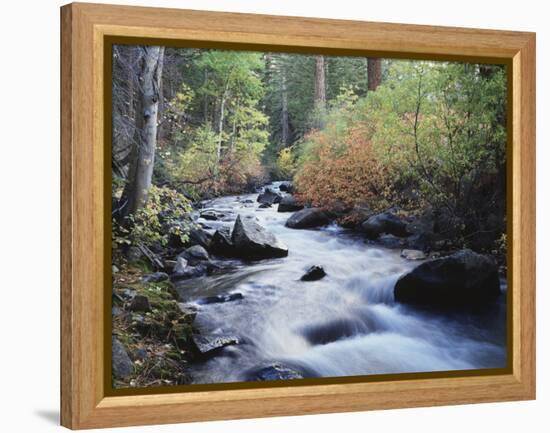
(157, 341)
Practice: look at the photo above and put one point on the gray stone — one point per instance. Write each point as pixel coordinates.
(308, 218)
(254, 242)
(463, 279)
(121, 362)
(289, 204)
(384, 222)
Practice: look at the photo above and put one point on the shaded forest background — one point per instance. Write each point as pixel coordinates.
(356, 136)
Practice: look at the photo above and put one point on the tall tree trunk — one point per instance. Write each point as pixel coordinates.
(141, 170)
(205, 99)
(284, 110)
(220, 126)
(374, 73)
(320, 91)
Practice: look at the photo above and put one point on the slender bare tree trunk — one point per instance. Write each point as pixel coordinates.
(374, 73)
(320, 92)
(141, 171)
(220, 126)
(205, 99)
(284, 110)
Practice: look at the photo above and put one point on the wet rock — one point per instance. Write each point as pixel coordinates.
(190, 272)
(314, 273)
(286, 187)
(211, 215)
(289, 204)
(183, 270)
(390, 241)
(463, 279)
(254, 242)
(264, 206)
(195, 254)
(269, 196)
(384, 222)
(413, 254)
(189, 312)
(121, 362)
(207, 346)
(140, 303)
(220, 298)
(156, 277)
(308, 218)
(221, 242)
(201, 237)
(276, 372)
(334, 330)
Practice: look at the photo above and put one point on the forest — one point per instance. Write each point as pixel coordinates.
(225, 163)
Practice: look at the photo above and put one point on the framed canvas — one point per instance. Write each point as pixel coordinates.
(267, 216)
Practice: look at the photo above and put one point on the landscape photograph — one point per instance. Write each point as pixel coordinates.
(281, 216)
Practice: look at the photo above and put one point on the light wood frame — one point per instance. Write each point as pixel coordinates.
(84, 403)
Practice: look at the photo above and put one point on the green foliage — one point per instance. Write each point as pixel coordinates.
(437, 130)
(164, 215)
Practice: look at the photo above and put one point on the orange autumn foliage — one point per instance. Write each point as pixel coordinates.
(342, 171)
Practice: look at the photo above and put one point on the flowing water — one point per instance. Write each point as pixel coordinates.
(345, 324)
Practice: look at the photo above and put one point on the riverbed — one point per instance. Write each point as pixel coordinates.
(346, 324)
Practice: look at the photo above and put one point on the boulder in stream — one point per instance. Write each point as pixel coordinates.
(221, 242)
(463, 279)
(314, 273)
(289, 204)
(183, 271)
(275, 372)
(252, 241)
(217, 299)
(308, 218)
(207, 346)
(269, 196)
(286, 187)
(195, 254)
(385, 222)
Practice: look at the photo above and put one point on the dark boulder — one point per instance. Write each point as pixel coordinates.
(286, 187)
(269, 196)
(183, 271)
(218, 299)
(275, 372)
(308, 218)
(156, 277)
(199, 236)
(384, 222)
(289, 204)
(195, 255)
(121, 362)
(254, 242)
(211, 215)
(140, 303)
(314, 273)
(264, 206)
(221, 243)
(463, 279)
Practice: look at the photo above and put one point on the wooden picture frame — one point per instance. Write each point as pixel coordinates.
(86, 30)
